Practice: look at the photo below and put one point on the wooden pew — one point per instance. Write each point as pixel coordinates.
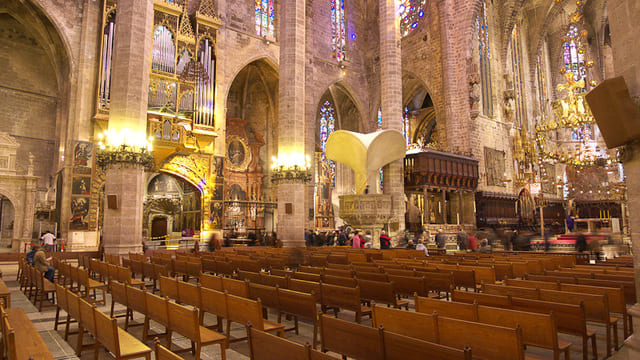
(408, 285)
(242, 311)
(457, 310)
(400, 347)
(185, 322)
(363, 341)
(416, 325)
(298, 304)
(340, 297)
(264, 346)
(20, 336)
(486, 341)
(537, 329)
(571, 319)
(380, 292)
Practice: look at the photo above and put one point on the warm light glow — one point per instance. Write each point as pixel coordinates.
(289, 161)
(137, 140)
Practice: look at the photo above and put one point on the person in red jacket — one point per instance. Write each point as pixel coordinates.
(385, 240)
(472, 243)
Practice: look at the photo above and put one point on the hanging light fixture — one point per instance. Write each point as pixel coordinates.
(194, 71)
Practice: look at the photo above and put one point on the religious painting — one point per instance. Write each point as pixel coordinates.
(81, 185)
(216, 214)
(238, 154)
(218, 169)
(79, 213)
(549, 186)
(82, 157)
(218, 192)
(494, 167)
(162, 184)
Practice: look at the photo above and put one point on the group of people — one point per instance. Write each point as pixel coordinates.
(37, 257)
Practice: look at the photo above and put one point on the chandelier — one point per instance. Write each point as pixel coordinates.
(194, 71)
(294, 167)
(124, 148)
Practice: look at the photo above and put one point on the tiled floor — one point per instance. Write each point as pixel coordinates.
(62, 349)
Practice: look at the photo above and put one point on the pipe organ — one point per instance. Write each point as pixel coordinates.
(107, 51)
(206, 89)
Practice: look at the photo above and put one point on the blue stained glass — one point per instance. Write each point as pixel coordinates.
(574, 55)
(264, 17)
(410, 11)
(327, 126)
(338, 40)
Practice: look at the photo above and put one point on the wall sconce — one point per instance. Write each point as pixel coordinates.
(294, 167)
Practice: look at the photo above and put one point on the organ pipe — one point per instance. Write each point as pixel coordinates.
(107, 52)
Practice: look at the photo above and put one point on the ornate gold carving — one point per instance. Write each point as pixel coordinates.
(185, 31)
(190, 167)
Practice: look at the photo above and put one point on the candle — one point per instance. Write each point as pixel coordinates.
(458, 218)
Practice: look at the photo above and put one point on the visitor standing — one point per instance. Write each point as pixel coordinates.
(49, 241)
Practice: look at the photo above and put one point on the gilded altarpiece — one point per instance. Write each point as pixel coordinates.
(244, 206)
(324, 218)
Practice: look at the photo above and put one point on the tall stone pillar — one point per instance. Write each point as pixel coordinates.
(129, 90)
(391, 103)
(626, 53)
(291, 119)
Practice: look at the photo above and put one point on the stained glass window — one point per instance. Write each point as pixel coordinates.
(406, 131)
(542, 82)
(516, 58)
(339, 30)
(410, 11)
(484, 51)
(265, 14)
(327, 126)
(380, 127)
(574, 54)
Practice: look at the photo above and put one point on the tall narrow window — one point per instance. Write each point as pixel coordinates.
(380, 127)
(406, 129)
(205, 94)
(574, 54)
(164, 50)
(482, 25)
(327, 126)
(411, 12)
(541, 69)
(104, 96)
(516, 57)
(265, 14)
(339, 31)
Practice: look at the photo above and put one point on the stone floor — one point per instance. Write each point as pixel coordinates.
(62, 349)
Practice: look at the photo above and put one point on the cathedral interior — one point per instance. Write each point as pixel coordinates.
(164, 123)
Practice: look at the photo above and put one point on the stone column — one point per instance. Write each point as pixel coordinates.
(444, 207)
(427, 207)
(129, 90)
(291, 115)
(624, 44)
(391, 102)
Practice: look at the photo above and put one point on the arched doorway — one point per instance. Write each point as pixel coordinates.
(172, 208)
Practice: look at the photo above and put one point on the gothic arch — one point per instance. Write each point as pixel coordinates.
(268, 59)
(49, 35)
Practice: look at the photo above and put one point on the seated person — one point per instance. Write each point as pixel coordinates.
(40, 263)
(410, 245)
(422, 247)
(485, 247)
(31, 253)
